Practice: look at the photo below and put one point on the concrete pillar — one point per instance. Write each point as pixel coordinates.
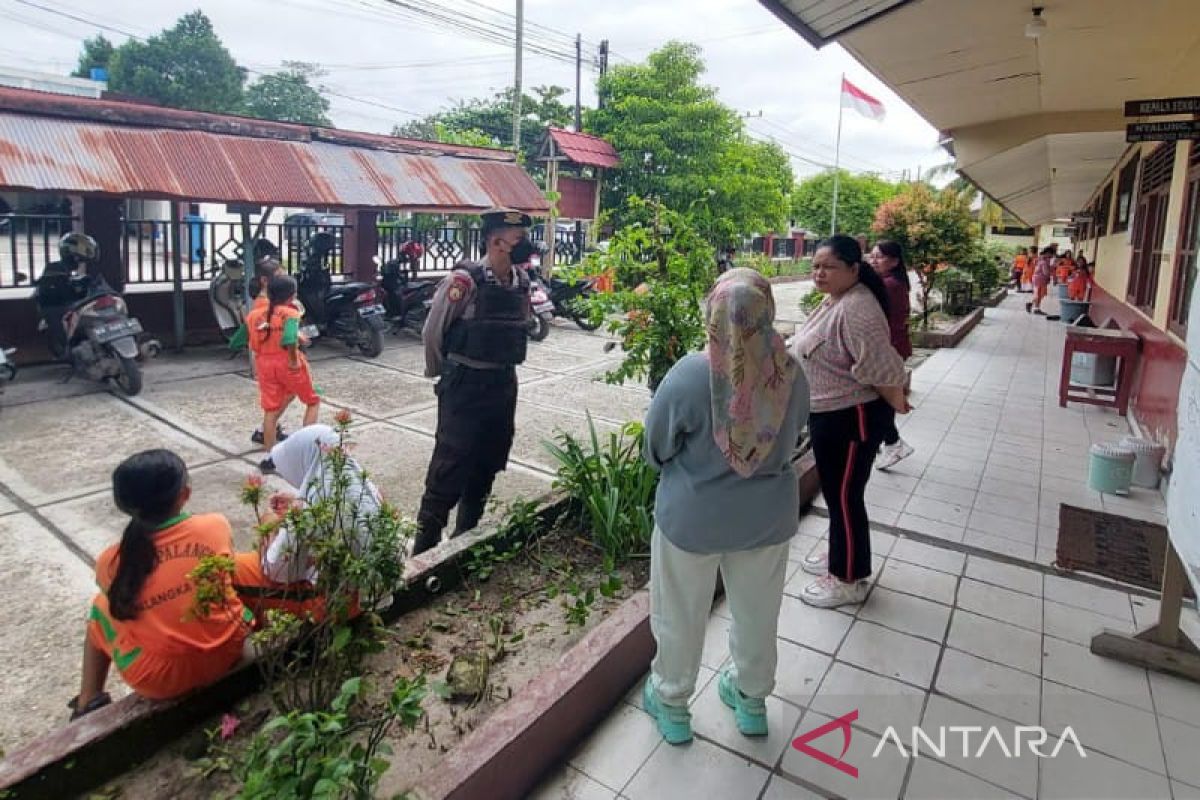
(360, 245)
(797, 246)
(769, 246)
(102, 221)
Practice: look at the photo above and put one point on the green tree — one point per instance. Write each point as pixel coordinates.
(289, 96)
(990, 212)
(683, 147)
(490, 119)
(858, 197)
(186, 66)
(96, 52)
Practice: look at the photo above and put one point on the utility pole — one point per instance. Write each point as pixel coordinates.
(520, 42)
(602, 59)
(578, 82)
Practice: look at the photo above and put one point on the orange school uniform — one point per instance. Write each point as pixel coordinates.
(1065, 267)
(165, 651)
(1078, 285)
(261, 594)
(270, 341)
(1027, 269)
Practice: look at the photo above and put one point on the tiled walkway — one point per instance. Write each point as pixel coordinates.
(996, 456)
(945, 639)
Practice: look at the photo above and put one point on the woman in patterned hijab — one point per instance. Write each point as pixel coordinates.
(721, 430)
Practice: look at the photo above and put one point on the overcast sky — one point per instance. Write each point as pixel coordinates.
(404, 66)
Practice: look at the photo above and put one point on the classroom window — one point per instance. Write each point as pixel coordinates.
(1149, 227)
(1125, 182)
(1184, 279)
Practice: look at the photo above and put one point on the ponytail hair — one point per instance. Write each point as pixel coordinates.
(847, 250)
(146, 486)
(892, 249)
(280, 290)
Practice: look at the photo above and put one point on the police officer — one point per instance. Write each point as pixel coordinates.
(475, 336)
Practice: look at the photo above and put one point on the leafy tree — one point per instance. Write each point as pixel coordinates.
(97, 52)
(186, 66)
(858, 197)
(990, 213)
(680, 145)
(935, 228)
(488, 121)
(289, 96)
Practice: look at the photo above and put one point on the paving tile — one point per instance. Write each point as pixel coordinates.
(1182, 746)
(966, 480)
(993, 687)
(878, 515)
(619, 747)
(891, 654)
(1080, 625)
(933, 780)
(818, 628)
(813, 525)
(713, 720)
(929, 527)
(879, 777)
(996, 641)
(1005, 605)
(1097, 777)
(994, 524)
(947, 493)
(997, 472)
(930, 584)
(1001, 545)
(1074, 665)
(1106, 726)
(906, 613)
(570, 784)
(881, 702)
(1019, 775)
(780, 788)
(937, 510)
(895, 481)
(799, 672)
(1029, 463)
(1006, 507)
(886, 498)
(698, 769)
(1010, 490)
(925, 555)
(1183, 792)
(961, 465)
(1070, 592)
(1176, 698)
(1009, 576)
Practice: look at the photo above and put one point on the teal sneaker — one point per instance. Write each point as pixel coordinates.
(674, 722)
(750, 712)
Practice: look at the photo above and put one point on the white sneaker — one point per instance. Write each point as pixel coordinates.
(892, 454)
(829, 592)
(816, 563)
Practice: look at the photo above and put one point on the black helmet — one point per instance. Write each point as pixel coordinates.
(76, 247)
(264, 248)
(321, 244)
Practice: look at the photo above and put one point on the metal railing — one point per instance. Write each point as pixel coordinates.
(28, 242)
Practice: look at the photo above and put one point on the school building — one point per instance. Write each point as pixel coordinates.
(1030, 98)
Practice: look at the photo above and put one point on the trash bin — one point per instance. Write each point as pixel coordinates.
(1148, 457)
(1089, 369)
(1110, 468)
(1062, 291)
(1071, 310)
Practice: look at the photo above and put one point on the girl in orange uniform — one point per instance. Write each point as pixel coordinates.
(282, 370)
(145, 619)
(1064, 268)
(1081, 280)
(1027, 270)
(1018, 269)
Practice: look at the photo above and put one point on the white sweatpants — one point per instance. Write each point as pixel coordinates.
(681, 594)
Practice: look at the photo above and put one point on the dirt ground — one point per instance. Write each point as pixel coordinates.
(535, 633)
(59, 442)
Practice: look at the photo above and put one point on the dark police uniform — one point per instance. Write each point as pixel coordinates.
(475, 336)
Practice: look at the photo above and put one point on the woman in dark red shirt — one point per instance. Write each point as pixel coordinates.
(887, 259)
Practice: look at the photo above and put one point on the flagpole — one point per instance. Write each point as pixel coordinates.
(837, 155)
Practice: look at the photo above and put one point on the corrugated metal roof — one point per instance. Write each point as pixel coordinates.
(297, 166)
(585, 149)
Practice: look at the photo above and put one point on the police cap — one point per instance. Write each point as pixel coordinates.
(505, 218)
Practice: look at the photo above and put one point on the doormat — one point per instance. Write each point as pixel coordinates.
(1124, 549)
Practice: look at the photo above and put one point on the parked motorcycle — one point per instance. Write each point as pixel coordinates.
(348, 311)
(87, 323)
(227, 289)
(568, 298)
(406, 297)
(8, 370)
(542, 310)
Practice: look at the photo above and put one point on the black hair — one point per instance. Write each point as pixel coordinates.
(848, 250)
(280, 290)
(1048, 250)
(146, 486)
(892, 249)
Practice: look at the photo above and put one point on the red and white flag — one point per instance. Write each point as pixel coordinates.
(860, 101)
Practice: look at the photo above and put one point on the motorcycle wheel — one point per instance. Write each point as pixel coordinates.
(370, 341)
(539, 328)
(130, 379)
(580, 317)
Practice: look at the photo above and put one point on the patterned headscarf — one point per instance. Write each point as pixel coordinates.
(752, 373)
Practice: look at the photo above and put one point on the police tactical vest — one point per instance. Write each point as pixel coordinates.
(497, 331)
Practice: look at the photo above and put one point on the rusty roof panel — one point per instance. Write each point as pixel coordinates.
(49, 153)
(583, 148)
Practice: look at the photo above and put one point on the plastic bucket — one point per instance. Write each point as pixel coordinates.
(1110, 468)
(1071, 310)
(1148, 457)
(1062, 291)
(1089, 369)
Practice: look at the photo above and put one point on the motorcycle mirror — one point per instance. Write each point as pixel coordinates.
(21, 276)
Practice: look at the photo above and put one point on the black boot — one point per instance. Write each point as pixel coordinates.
(428, 537)
(468, 516)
